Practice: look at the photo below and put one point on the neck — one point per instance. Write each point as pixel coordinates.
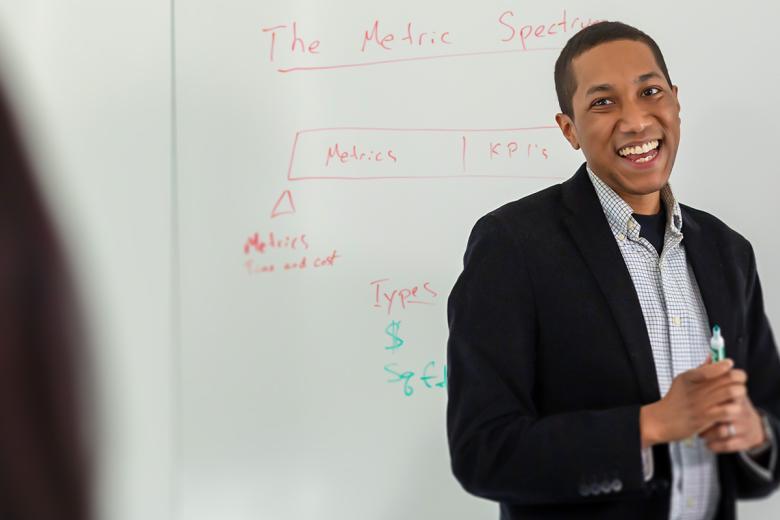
(649, 204)
(643, 204)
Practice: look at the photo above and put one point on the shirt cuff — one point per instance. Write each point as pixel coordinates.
(647, 463)
(749, 457)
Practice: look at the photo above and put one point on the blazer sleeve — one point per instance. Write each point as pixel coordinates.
(763, 384)
(763, 461)
(501, 448)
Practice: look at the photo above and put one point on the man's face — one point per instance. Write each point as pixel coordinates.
(622, 106)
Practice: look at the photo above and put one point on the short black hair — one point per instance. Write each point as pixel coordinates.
(586, 39)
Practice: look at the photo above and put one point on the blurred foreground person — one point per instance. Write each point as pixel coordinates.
(43, 472)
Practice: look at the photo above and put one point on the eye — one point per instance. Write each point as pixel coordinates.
(600, 102)
(651, 91)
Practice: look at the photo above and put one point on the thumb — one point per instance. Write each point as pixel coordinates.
(708, 369)
(696, 375)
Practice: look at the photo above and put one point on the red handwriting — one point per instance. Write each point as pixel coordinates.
(377, 38)
(383, 296)
(538, 31)
(412, 39)
(257, 243)
(353, 155)
(387, 153)
(513, 148)
(254, 268)
(305, 262)
(296, 42)
(410, 59)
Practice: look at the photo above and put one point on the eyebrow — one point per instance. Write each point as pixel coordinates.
(606, 87)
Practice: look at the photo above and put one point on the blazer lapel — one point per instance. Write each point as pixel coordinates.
(591, 232)
(706, 260)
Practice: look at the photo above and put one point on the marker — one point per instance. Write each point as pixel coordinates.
(717, 345)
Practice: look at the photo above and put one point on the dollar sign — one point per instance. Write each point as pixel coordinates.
(392, 331)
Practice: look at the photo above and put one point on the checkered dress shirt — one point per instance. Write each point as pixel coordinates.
(678, 329)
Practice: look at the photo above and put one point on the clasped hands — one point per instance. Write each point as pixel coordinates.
(710, 400)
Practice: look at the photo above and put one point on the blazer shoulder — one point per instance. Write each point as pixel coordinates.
(732, 243)
(712, 225)
(529, 212)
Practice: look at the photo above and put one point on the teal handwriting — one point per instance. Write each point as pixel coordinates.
(429, 377)
(392, 331)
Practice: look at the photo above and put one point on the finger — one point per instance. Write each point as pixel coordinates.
(710, 432)
(712, 370)
(708, 386)
(730, 445)
(735, 375)
(727, 412)
(717, 432)
(733, 392)
(707, 360)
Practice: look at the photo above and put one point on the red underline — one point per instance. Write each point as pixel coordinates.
(431, 130)
(418, 58)
(407, 177)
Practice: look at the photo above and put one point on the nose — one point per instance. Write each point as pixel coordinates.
(633, 118)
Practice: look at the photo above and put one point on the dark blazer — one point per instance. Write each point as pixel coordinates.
(549, 360)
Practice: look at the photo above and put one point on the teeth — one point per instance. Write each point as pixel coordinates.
(636, 150)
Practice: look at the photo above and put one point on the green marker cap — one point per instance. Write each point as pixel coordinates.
(717, 345)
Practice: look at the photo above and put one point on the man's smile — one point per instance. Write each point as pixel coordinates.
(640, 153)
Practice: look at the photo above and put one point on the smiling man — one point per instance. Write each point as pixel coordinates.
(579, 379)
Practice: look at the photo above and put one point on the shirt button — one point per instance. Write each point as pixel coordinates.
(621, 237)
(688, 442)
(631, 224)
(676, 320)
(691, 502)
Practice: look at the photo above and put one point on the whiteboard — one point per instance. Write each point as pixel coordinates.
(332, 158)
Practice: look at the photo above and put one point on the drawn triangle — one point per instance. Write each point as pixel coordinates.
(283, 206)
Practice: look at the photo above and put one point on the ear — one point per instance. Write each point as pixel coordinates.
(676, 99)
(568, 129)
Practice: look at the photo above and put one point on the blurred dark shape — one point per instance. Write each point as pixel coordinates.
(43, 467)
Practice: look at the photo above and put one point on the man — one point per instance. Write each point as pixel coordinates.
(580, 384)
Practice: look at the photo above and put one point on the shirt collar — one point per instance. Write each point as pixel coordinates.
(620, 215)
